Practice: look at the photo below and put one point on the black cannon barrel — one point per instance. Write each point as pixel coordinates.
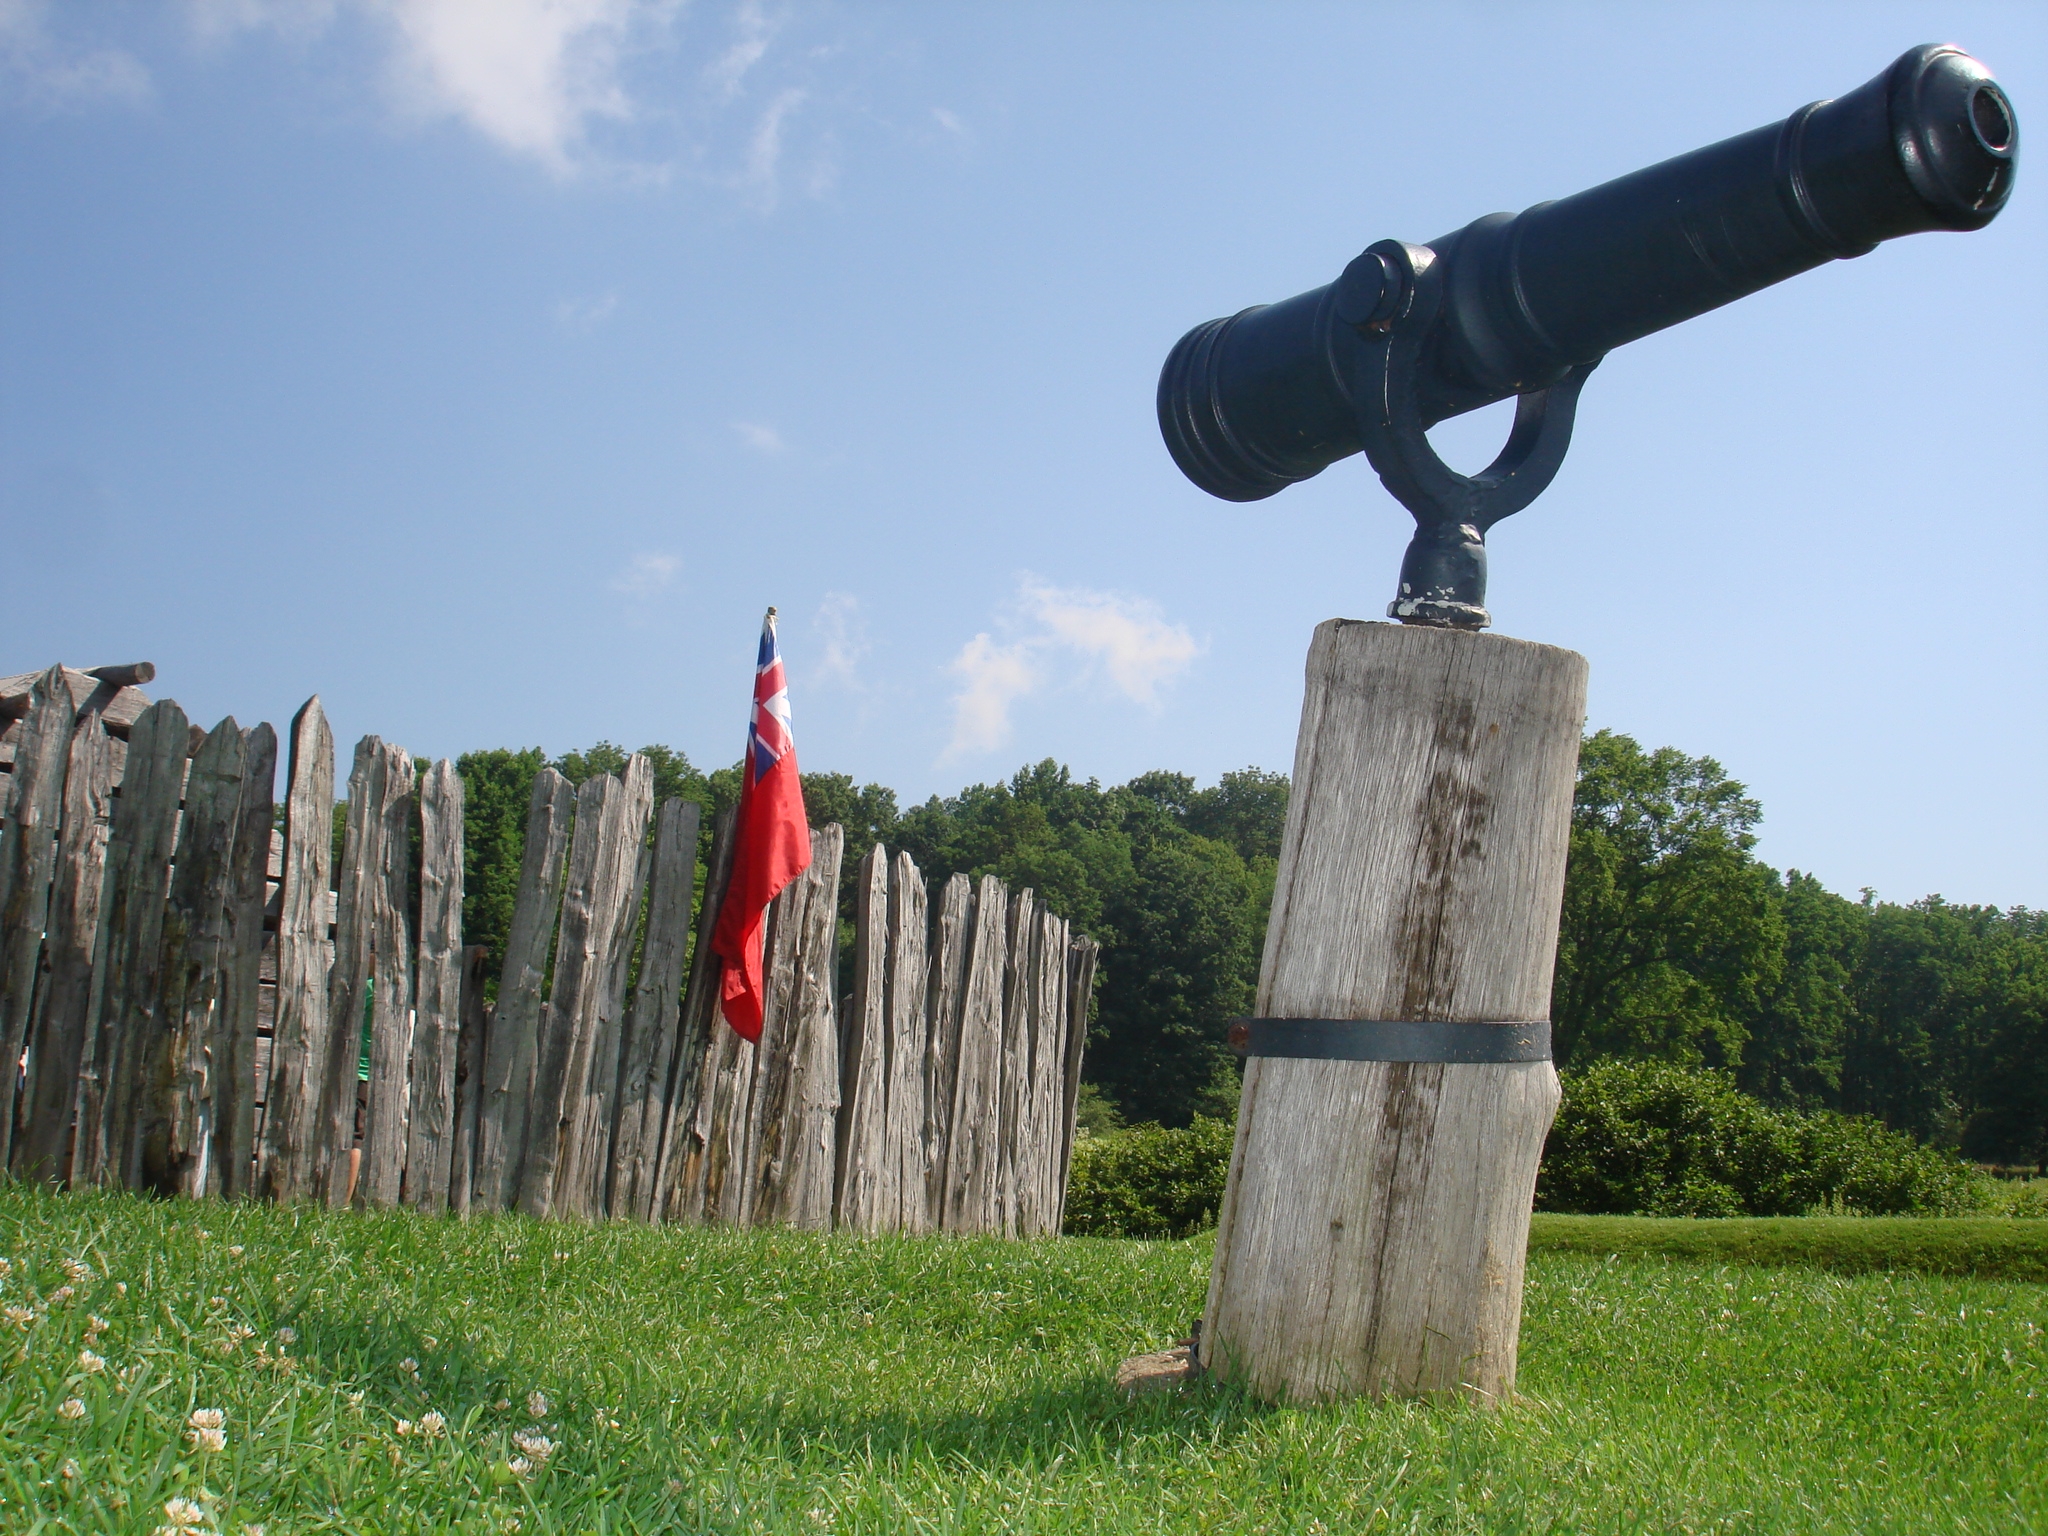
(1250, 404)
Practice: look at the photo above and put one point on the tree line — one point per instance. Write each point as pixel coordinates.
(1676, 942)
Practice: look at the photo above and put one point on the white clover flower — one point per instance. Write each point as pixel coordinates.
(120, 1287)
(91, 1363)
(235, 1249)
(252, 1530)
(520, 1466)
(536, 1404)
(287, 1335)
(6, 1268)
(130, 1372)
(428, 1341)
(215, 1303)
(21, 1317)
(76, 1272)
(61, 1297)
(409, 1365)
(207, 1418)
(433, 1425)
(95, 1325)
(183, 1514)
(403, 1427)
(71, 1408)
(539, 1447)
(212, 1441)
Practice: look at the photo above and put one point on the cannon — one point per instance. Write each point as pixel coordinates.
(1527, 304)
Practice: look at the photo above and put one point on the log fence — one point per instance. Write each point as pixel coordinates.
(198, 1000)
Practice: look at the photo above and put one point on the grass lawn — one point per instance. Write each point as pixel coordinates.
(756, 1381)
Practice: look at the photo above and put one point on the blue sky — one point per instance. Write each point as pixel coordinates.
(486, 366)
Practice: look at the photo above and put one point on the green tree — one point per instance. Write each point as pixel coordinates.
(1800, 1035)
(1671, 935)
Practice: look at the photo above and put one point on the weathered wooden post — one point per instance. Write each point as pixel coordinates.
(1372, 1235)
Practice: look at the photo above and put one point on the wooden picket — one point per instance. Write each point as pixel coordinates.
(193, 996)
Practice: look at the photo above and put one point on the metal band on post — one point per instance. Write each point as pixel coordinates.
(1391, 1040)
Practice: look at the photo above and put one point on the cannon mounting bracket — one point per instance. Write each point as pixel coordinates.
(1392, 295)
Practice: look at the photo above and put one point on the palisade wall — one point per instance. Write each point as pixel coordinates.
(201, 1004)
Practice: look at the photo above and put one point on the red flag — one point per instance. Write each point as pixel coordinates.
(773, 845)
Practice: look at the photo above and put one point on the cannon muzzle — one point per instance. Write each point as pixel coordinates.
(1525, 304)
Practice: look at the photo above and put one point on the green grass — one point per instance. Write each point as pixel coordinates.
(1986, 1247)
(753, 1381)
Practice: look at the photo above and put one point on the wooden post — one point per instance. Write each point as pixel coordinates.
(62, 1031)
(648, 1046)
(569, 1132)
(1373, 1235)
(866, 1184)
(235, 1088)
(973, 1153)
(1080, 984)
(945, 992)
(299, 1043)
(437, 991)
(471, 1048)
(28, 862)
(172, 1147)
(694, 1074)
(371, 979)
(506, 1093)
(904, 1137)
(796, 1100)
(126, 966)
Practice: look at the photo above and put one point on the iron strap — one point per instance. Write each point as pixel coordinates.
(1392, 1039)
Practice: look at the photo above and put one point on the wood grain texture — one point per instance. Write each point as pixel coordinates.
(299, 1055)
(797, 1099)
(598, 919)
(1080, 985)
(1420, 878)
(952, 943)
(1048, 1039)
(470, 1050)
(648, 1046)
(61, 1033)
(867, 1181)
(973, 1153)
(171, 1147)
(236, 1089)
(1014, 1058)
(371, 981)
(28, 865)
(507, 1089)
(679, 1189)
(430, 1136)
(126, 992)
(904, 1144)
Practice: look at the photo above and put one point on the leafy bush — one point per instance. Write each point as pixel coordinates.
(1649, 1139)
(1149, 1181)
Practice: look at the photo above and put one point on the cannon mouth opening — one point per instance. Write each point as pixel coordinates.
(1991, 119)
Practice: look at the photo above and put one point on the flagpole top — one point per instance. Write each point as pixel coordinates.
(771, 613)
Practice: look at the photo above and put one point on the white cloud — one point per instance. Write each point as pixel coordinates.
(992, 678)
(579, 317)
(647, 574)
(40, 72)
(1128, 636)
(1125, 639)
(760, 438)
(761, 177)
(844, 634)
(754, 30)
(950, 121)
(531, 75)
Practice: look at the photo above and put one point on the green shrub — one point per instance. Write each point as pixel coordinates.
(1149, 1181)
(1649, 1139)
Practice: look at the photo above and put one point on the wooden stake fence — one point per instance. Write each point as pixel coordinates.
(201, 1005)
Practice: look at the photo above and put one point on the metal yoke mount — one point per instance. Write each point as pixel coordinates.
(1392, 295)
